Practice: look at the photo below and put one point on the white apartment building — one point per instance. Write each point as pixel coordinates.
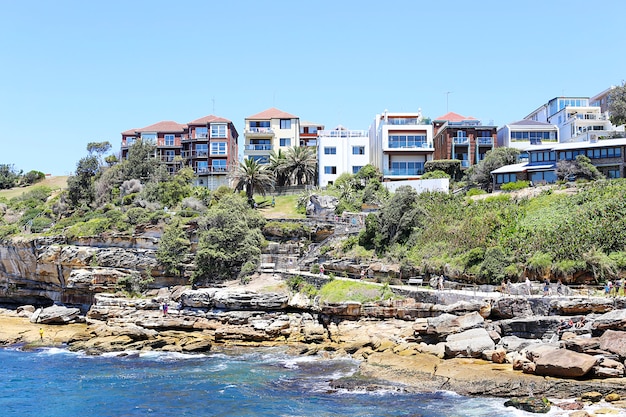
(341, 150)
(270, 130)
(576, 119)
(400, 144)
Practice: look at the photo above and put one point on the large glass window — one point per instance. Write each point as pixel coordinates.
(285, 123)
(202, 132)
(358, 150)
(218, 130)
(330, 150)
(202, 150)
(218, 165)
(261, 159)
(407, 168)
(356, 169)
(505, 178)
(330, 170)
(149, 137)
(202, 167)
(543, 176)
(169, 140)
(285, 141)
(260, 126)
(407, 141)
(218, 148)
(168, 156)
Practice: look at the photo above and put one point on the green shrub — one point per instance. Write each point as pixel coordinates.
(340, 291)
(39, 224)
(435, 175)
(8, 230)
(517, 185)
(137, 215)
(92, 227)
(475, 191)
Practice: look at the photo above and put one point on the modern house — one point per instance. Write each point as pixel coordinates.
(525, 133)
(208, 145)
(341, 150)
(607, 155)
(463, 138)
(268, 131)
(400, 144)
(575, 118)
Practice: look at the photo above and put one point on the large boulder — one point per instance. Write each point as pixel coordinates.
(614, 341)
(615, 320)
(321, 205)
(564, 363)
(537, 327)
(576, 306)
(447, 324)
(201, 298)
(529, 404)
(509, 307)
(470, 343)
(250, 300)
(55, 314)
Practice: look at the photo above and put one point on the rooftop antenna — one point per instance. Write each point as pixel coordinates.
(447, 94)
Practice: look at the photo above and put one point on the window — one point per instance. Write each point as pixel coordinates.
(285, 123)
(358, 150)
(202, 167)
(218, 148)
(410, 141)
(330, 150)
(202, 132)
(218, 130)
(505, 178)
(356, 169)
(149, 136)
(613, 173)
(130, 141)
(330, 170)
(169, 140)
(202, 150)
(407, 168)
(285, 141)
(260, 126)
(218, 165)
(168, 156)
(261, 159)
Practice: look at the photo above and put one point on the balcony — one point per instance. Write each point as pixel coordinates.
(168, 158)
(199, 137)
(176, 143)
(403, 172)
(212, 170)
(484, 141)
(259, 131)
(460, 140)
(194, 154)
(263, 147)
(343, 133)
(410, 146)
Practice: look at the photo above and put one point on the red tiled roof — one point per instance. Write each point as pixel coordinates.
(164, 126)
(209, 119)
(273, 113)
(130, 132)
(454, 117)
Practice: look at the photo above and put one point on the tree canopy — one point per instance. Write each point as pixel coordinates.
(617, 105)
(494, 159)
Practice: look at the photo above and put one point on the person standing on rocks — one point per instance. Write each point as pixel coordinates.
(528, 286)
(559, 287)
(546, 288)
(41, 334)
(321, 270)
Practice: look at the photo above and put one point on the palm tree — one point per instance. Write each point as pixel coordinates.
(277, 166)
(301, 164)
(252, 176)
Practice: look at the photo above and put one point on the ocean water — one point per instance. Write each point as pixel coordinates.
(253, 382)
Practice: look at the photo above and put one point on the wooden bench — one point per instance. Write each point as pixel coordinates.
(416, 281)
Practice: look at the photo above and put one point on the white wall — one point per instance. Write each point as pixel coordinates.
(439, 184)
(343, 160)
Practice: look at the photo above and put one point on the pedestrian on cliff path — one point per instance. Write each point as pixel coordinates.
(528, 286)
(41, 334)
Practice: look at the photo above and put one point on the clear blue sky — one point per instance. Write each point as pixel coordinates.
(74, 72)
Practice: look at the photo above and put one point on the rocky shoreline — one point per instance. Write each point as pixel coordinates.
(484, 344)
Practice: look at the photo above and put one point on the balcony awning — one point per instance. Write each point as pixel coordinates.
(509, 169)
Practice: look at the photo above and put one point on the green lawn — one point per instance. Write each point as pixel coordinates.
(285, 207)
(55, 183)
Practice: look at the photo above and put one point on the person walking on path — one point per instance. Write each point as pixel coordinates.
(559, 287)
(41, 334)
(528, 286)
(546, 288)
(321, 270)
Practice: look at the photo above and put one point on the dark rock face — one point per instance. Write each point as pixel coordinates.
(530, 404)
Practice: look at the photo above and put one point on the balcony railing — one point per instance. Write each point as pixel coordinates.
(168, 158)
(403, 172)
(416, 145)
(260, 131)
(343, 133)
(264, 147)
(484, 141)
(213, 170)
(194, 154)
(169, 143)
(459, 140)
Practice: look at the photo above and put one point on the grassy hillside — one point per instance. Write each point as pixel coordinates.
(54, 183)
